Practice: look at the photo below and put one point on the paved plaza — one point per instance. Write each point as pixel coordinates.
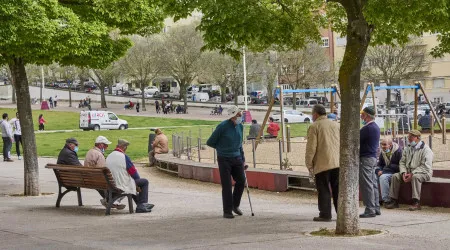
(187, 215)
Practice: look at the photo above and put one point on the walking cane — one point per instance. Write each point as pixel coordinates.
(248, 191)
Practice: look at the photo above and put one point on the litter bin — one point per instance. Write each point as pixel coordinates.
(151, 139)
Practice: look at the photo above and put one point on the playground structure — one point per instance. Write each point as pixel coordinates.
(418, 86)
(332, 90)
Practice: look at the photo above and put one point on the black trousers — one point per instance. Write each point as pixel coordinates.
(18, 140)
(325, 181)
(231, 167)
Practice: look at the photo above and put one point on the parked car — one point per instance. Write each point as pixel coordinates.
(161, 95)
(321, 99)
(292, 116)
(151, 91)
(262, 100)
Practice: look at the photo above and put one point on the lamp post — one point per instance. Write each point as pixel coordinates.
(245, 79)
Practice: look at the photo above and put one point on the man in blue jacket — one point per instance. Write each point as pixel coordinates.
(227, 140)
(369, 142)
(387, 166)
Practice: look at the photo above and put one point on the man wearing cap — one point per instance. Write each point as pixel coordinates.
(415, 167)
(68, 154)
(127, 178)
(369, 142)
(95, 156)
(160, 145)
(227, 140)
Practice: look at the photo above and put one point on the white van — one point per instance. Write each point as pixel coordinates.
(201, 97)
(241, 99)
(96, 120)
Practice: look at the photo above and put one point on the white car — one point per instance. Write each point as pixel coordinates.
(151, 91)
(96, 120)
(292, 116)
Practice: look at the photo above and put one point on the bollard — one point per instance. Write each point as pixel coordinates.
(254, 153)
(430, 141)
(215, 156)
(444, 131)
(432, 126)
(173, 144)
(288, 135)
(394, 131)
(199, 148)
(280, 150)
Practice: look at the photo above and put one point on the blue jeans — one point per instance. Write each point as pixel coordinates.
(7, 144)
(385, 182)
(142, 197)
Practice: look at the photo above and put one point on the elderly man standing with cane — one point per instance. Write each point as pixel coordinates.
(322, 160)
(227, 140)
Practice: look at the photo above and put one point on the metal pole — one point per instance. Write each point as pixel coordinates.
(215, 155)
(444, 131)
(416, 102)
(283, 131)
(430, 141)
(280, 151)
(182, 142)
(432, 126)
(180, 145)
(199, 148)
(394, 131)
(245, 78)
(42, 82)
(188, 147)
(288, 132)
(254, 153)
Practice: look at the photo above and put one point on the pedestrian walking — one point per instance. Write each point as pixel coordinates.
(41, 122)
(157, 107)
(137, 107)
(55, 101)
(17, 134)
(50, 100)
(322, 160)
(227, 140)
(7, 137)
(369, 141)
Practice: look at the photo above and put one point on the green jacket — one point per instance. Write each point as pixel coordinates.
(417, 160)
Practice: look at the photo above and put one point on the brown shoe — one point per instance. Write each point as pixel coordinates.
(391, 205)
(321, 219)
(415, 206)
(9, 160)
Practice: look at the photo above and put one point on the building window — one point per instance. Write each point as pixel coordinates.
(438, 83)
(325, 42)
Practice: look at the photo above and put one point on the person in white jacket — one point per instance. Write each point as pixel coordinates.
(15, 123)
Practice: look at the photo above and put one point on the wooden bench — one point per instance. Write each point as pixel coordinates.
(73, 178)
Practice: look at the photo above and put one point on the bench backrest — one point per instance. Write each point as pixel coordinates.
(84, 177)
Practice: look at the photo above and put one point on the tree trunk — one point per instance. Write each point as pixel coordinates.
(13, 93)
(70, 95)
(182, 84)
(294, 101)
(223, 94)
(358, 38)
(102, 97)
(30, 158)
(143, 97)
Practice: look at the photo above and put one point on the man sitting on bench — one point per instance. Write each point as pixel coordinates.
(415, 167)
(127, 178)
(254, 130)
(68, 154)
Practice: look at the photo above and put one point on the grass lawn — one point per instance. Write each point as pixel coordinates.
(49, 144)
(60, 120)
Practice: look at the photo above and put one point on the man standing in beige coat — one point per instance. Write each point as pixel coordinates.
(322, 160)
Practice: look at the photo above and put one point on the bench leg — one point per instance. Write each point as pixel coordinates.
(110, 203)
(80, 201)
(130, 203)
(61, 195)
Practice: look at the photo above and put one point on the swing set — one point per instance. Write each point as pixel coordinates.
(418, 86)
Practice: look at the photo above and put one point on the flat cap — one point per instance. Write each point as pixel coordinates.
(122, 142)
(72, 140)
(369, 110)
(415, 132)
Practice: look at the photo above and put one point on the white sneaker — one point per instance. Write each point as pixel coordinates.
(20, 157)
